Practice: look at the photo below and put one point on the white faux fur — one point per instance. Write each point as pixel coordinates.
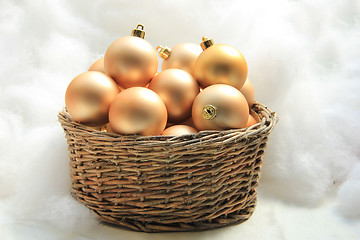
(304, 62)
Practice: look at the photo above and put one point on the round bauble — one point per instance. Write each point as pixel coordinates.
(88, 98)
(178, 90)
(98, 65)
(220, 107)
(251, 121)
(178, 130)
(182, 56)
(131, 61)
(248, 91)
(188, 122)
(138, 110)
(255, 116)
(221, 64)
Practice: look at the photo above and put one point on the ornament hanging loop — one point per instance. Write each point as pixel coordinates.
(138, 31)
(206, 43)
(164, 51)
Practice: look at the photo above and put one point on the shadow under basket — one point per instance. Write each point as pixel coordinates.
(193, 182)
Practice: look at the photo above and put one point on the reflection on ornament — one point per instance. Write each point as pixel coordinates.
(131, 61)
(220, 64)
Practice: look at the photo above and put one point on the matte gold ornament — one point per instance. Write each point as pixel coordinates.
(98, 65)
(182, 56)
(248, 91)
(178, 130)
(88, 98)
(220, 64)
(131, 61)
(251, 121)
(138, 110)
(188, 122)
(220, 107)
(178, 89)
(255, 116)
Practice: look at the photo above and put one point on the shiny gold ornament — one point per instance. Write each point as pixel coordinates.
(178, 130)
(88, 98)
(219, 107)
(138, 110)
(131, 61)
(182, 56)
(178, 90)
(98, 65)
(248, 91)
(220, 64)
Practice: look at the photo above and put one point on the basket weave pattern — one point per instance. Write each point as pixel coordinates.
(162, 183)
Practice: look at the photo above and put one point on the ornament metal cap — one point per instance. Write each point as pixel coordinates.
(209, 112)
(164, 51)
(138, 31)
(206, 43)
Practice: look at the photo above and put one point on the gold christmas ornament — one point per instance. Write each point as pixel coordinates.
(178, 130)
(178, 90)
(88, 98)
(248, 91)
(131, 61)
(182, 56)
(188, 122)
(255, 116)
(251, 121)
(138, 110)
(220, 64)
(98, 65)
(220, 107)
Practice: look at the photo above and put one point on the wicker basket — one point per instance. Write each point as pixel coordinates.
(162, 183)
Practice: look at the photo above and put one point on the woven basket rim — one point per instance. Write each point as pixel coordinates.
(268, 120)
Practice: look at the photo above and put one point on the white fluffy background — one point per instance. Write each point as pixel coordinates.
(304, 62)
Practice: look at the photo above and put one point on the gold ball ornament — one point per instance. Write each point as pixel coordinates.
(255, 116)
(251, 121)
(138, 110)
(182, 56)
(98, 65)
(178, 89)
(131, 61)
(188, 122)
(88, 98)
(178, 130)
(220, 107)
(248, 91)
(220, 64)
